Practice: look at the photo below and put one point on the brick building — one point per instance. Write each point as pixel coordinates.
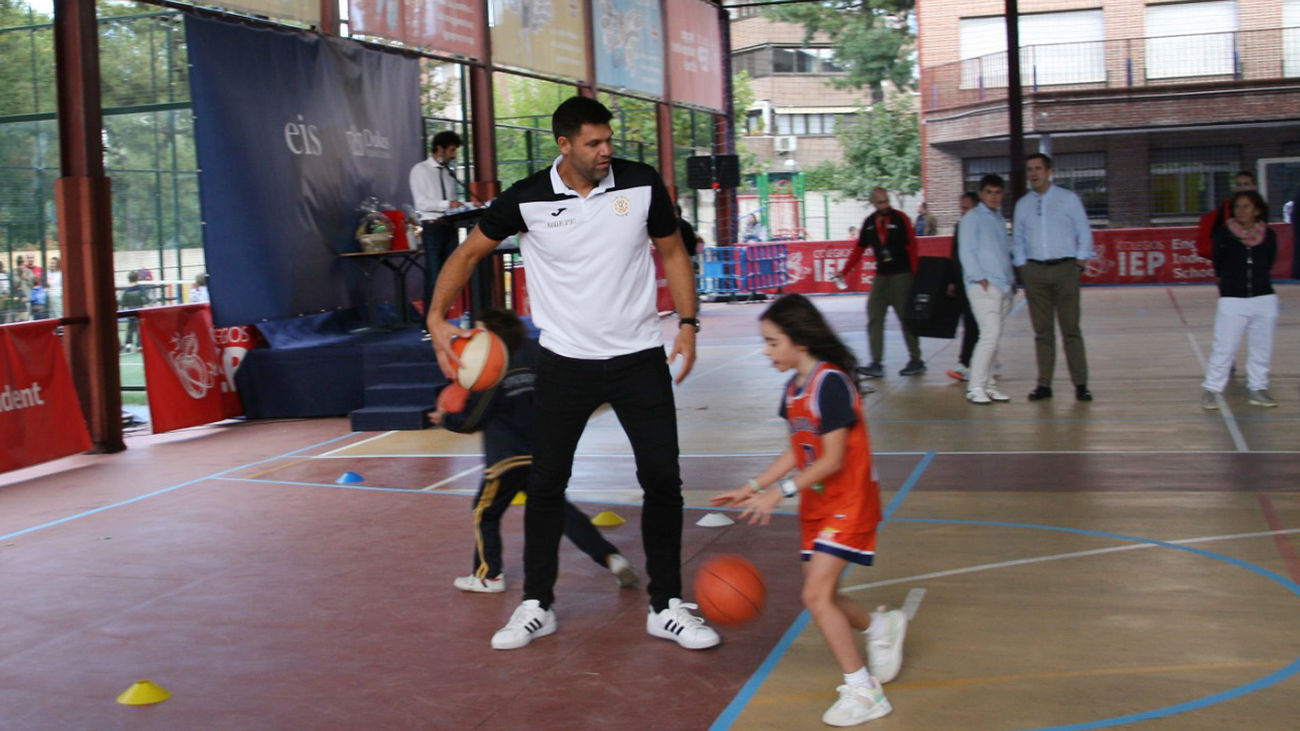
(795, 111)
(1147, 108)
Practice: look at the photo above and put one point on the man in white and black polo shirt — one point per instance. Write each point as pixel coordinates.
(586, 225)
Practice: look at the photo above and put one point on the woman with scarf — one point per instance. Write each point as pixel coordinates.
(1244, 251)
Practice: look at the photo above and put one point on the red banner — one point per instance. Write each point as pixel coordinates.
(233, 343)
(1124, 256)
(453, 27)
(182, 370)
(1164, 255)
(40, 417)
(695, 54)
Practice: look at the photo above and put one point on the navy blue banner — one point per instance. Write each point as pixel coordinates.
(292, 133)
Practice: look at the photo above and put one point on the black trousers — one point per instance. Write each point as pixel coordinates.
(970, 330)
(495, 493)
(439, 241)
(639, 388)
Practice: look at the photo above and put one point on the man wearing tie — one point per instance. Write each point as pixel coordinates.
(435, 189)
(1050, 240)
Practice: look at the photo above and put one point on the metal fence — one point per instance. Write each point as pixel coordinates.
(1272, 53)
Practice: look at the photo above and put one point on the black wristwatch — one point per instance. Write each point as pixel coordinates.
(689, 321)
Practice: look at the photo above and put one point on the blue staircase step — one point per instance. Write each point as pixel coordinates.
(402, 394)
(420, 372)
(389, 418)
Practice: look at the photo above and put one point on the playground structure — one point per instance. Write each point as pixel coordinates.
(780, 204)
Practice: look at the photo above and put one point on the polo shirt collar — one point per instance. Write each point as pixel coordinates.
(562, 188)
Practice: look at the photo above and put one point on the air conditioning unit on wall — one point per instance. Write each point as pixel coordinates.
(785, 143)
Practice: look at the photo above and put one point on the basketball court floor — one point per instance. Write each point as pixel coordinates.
(1126, 563)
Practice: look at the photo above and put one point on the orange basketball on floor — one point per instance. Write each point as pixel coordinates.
(483, 359)
(729, 590)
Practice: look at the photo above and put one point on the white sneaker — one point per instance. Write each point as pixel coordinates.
(857, 705)
(1209, 400)
(1261, 397)
(978, 396)
(959, 373)
(885, 655)
(528, 621)
(996, 395)
(483, 586)
(622, 570)
(678, 624)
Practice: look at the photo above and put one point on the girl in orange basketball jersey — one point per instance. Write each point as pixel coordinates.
(839, 500)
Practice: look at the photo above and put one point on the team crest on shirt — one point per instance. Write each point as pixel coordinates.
(622, 205)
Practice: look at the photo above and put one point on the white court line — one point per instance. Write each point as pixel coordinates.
(882, 453)
(350, 445)
(400, 454)
(1113, 451)
(453, 478)
(1059, 556)
(700, 374)
(913, 602)
(1228, 418)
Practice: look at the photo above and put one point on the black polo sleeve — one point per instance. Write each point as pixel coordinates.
(502, 219)
(662, 219)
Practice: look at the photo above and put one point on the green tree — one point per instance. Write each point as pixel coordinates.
(872, 39)
(882, 147)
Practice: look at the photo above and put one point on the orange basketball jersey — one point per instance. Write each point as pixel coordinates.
(851, 496)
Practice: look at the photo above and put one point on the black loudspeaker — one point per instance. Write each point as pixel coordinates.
(699, 171)
(930, 312)
(727, 170)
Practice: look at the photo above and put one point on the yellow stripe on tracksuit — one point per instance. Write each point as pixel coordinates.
(491, 484)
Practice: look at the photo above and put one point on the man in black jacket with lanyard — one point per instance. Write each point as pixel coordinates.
(892, 240)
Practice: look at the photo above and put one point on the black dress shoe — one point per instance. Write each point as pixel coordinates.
(1082, 393)
(1040, 393)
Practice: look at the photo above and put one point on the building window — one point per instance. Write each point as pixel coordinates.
(1055, 48)
(1178, 47)
(1188, 180)
(805, 124)
(754, 122)
(1085, 174)
(1081, 172)
(1291, 38)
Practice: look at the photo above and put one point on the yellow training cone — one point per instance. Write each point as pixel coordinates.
(519, 499)
(143, 693)
(607, 519)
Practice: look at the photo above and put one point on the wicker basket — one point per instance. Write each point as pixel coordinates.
(370, 243)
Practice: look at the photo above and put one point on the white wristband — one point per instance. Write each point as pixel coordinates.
(753, 485)
(788, 488)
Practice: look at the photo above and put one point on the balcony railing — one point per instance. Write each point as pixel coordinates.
(1272, 53)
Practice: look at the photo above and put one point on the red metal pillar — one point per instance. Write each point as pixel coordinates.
(84, 205)
(667, 170)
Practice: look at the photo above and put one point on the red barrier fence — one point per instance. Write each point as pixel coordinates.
(1124, 256)
(40, 416)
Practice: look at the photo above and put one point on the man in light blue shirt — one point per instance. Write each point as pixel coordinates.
(1050, 237)
(990, 284)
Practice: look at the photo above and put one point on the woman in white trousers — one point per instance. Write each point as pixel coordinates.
(1244, 251)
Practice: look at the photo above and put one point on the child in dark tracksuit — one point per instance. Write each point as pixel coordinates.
(504, 414)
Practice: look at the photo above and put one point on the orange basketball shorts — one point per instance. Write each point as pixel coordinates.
(829, 534)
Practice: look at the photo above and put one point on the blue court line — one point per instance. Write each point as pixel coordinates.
(294, 483)
(155, 493)
(747, 691)
(1259, 684)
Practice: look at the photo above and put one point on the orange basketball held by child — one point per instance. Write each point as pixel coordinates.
(729, 590)
(483, 359)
